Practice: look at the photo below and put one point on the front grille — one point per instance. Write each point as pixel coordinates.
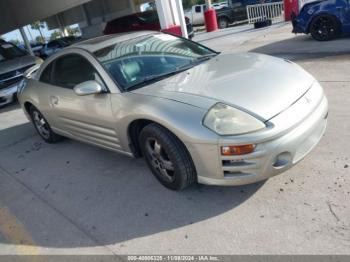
(12, 77)
(7, 82)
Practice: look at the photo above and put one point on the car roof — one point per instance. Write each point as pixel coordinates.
(98, 43)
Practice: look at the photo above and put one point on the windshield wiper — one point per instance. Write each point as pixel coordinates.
(155, 78)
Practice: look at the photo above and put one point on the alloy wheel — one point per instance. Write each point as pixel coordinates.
(159, 159)
(222, 23)
(324, 27)
(41, 125)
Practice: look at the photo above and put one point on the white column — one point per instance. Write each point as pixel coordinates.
(30, 34)
(181, 16)
(174, 12)
(208, 3)
(62, 28)
(164, 14)
(132, 6)
(26, 41)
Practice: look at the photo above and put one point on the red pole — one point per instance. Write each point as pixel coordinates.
(290, 6)
(211, 23)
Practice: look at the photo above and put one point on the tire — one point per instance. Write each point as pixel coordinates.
(261, 24)
(324, 28)
(167, 157)
(222, 23)
(42, 127)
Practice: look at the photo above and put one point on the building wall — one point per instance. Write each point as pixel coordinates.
(92, 16)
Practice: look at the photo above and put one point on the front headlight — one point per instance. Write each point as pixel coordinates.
(226, 120)
(21, 86)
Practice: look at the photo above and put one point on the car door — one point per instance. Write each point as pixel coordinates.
(88, 118)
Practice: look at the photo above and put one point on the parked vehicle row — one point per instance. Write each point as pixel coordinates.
(196, 13)
(194, 114)
(51, 47)
(227, 13)
(58, 44)
(236, 11)
(36, 48)
(13, 63)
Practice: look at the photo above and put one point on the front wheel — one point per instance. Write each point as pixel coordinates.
(324, 28)
(167, 157)
(42, 127)
(222, 23)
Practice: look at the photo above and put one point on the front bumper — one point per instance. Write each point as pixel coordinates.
(298, 25)
(272, 155)
(8, 94)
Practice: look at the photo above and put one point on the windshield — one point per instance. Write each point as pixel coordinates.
(9, 51)
(150, 58)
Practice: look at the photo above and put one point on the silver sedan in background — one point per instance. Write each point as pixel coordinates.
(196, 115)
(13, 63)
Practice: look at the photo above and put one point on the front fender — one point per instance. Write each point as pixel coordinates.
(183, 120)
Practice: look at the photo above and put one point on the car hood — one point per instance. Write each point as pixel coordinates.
(259, 84)
(16, 63)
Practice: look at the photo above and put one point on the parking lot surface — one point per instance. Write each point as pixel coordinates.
(72, 198)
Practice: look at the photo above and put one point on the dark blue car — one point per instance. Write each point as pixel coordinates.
(324, 20)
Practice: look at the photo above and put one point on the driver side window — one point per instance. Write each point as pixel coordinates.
(70, 70)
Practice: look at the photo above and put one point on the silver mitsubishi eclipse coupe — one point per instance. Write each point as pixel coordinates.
(196, 115)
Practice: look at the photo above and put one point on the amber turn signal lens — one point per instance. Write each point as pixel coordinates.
(237, 150)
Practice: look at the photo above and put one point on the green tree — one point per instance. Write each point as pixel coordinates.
(199, 2)
(187, 4)
(40, 39)
(15, 41)
(73, 31)
(38, 25)
(56, 34)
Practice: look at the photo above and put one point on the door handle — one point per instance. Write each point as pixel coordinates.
(54, 100)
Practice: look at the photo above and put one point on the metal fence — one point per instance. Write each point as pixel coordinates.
(260, 12)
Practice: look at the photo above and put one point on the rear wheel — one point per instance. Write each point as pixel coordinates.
(324, 28)
(167, 157)
(222, 22)
(42, 127)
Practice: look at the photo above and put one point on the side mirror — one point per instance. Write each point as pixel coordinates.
(88, 88)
